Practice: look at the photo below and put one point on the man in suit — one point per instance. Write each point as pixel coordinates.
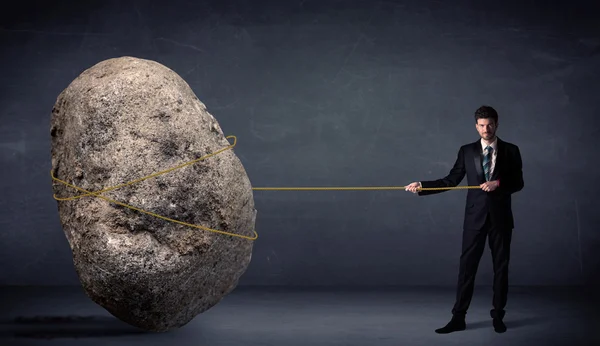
(496, 167)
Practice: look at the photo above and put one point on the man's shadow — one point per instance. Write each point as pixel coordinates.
(510, 323)
(53, 327)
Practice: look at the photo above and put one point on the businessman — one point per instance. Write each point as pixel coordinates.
(496, 167)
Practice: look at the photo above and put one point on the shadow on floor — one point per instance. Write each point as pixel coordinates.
(54, 327)
(510, 323)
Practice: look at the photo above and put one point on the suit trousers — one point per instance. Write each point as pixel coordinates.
(473, 244)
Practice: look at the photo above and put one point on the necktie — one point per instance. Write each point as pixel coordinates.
(487, 162)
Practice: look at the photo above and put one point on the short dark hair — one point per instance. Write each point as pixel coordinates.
(485, 112)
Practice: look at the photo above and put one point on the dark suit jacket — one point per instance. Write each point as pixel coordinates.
(508, 170)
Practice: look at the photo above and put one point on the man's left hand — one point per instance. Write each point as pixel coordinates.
(489, 186)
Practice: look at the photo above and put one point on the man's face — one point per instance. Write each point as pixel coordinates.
(486, 128)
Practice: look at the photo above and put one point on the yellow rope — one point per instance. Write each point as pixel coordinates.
(97, 193)
(363, 188)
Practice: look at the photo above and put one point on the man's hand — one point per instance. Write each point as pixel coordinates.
(489, 186)
(413, 187)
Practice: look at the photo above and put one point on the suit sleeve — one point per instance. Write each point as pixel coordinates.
(454, 177)
(514, 181)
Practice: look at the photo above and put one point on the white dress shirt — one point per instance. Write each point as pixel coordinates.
(494, 145)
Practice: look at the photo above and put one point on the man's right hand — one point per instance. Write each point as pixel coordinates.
(413, 187)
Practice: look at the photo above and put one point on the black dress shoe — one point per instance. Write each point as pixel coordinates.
(456, 324)
(499, 326)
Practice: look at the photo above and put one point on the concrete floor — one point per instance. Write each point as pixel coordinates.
(276, 316)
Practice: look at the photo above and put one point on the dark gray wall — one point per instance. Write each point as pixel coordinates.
(333, 93)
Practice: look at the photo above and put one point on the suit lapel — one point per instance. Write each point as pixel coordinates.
(478, 161)
(499, 160)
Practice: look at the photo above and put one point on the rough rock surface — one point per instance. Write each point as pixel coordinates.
(124, 119)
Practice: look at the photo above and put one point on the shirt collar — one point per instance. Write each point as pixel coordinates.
(494, 144)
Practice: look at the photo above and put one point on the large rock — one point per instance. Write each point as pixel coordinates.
(124, 119)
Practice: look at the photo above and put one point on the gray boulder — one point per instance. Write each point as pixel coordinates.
(124, 119)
